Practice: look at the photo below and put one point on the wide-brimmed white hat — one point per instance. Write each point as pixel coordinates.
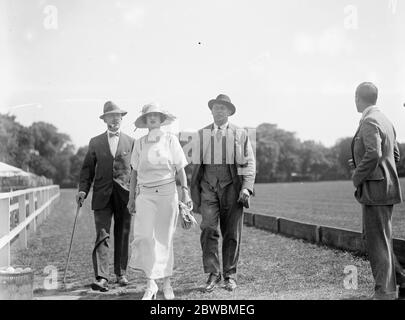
(153, 107)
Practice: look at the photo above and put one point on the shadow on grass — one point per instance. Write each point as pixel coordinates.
(186, 292)
(357, 298)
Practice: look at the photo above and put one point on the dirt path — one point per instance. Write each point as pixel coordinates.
(271, 266)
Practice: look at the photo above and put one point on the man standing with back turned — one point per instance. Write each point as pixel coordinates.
(374, 153)
(107, 162)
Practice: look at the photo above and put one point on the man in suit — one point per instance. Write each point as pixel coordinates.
(221, 184)
(374, 153)
(107, 163)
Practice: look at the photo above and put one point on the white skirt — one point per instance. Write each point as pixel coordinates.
(155, 222)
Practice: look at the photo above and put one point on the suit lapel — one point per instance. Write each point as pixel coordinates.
(231, 138)
(354, 139)
(368, 113)
(105, 144)
(119, 146)
(207, 146)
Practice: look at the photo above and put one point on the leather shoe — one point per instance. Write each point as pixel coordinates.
(122, 281)
(230, 284)
(213, 280)
(100, 285)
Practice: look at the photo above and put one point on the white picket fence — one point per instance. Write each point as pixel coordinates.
(32, 206)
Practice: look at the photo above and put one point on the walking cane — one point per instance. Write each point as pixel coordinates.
(71, 241)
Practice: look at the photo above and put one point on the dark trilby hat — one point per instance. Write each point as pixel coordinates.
(111, 107)
(224, 100)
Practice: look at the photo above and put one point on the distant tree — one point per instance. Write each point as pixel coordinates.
(315, 163)
(343, 151)
(62, 164)
(47, 140)
(25, 143)
(41, 166)
(76, 162)
(16, 142)
(289, 159)
(55, 149)
(267, 153)
(8, 141)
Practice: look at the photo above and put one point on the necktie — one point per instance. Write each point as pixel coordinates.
(218, 134)
(113, 134)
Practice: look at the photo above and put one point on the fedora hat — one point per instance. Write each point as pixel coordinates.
(140, 122)
(111, 107)
(224, 100)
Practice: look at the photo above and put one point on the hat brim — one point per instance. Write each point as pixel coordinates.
(141, 123)
(229, 105)
(122, 112)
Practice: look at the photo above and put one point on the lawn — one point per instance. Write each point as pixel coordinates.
(328, 203)
(270, 266)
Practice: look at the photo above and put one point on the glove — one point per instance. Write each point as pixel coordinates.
(80, 197)
(244, 198)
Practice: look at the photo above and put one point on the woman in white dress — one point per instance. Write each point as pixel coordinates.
(153, 198)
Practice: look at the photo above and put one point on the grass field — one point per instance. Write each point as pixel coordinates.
(270, 267)
(328, 203)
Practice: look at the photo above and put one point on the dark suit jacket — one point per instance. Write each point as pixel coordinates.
(375, 151)
(243, 174)
(99, 165)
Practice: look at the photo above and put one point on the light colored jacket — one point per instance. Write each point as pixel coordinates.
(375, 151)
(242, 168)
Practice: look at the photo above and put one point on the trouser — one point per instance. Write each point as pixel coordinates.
(220, 204)
(122, 225)
(387, 271)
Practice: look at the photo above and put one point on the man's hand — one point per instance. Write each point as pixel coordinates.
(131, 206)
(350, 162)
(80, 197)
(244, 196)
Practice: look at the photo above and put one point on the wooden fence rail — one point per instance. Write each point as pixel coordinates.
(22, 211)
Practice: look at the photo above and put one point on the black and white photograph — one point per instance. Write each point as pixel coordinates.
(205, 153)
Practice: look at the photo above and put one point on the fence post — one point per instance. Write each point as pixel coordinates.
(47, 198)
(41, 203)
(22, 237)
(32, 210)
(5, 230)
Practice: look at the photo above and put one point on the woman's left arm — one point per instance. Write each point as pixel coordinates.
(185, 191)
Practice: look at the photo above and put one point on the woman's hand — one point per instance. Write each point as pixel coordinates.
(131, 206)
(185, 197)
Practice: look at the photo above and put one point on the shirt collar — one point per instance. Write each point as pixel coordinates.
(224, 126)
(367, 111)
(156, 132)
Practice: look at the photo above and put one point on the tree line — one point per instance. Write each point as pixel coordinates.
(280, 155)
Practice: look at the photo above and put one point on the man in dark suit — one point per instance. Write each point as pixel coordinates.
(221, 185)
(374, 153)
(107, 163)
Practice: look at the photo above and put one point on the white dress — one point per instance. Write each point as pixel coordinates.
(156, 158)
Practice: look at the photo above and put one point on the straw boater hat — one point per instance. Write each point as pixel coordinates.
(111, 107)
(153, 107)
(224, 100)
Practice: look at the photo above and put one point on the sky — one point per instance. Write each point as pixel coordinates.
(293, 63)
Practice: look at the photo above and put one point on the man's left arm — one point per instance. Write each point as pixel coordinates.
(372, 144)
(397, 154)
(248, 169)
